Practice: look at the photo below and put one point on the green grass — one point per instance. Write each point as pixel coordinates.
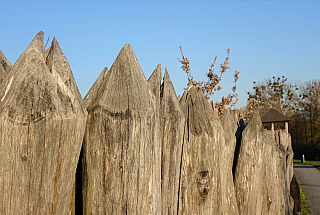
(295, 161)
(305, 208)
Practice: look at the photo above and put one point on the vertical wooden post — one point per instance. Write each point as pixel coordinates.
(229, 121)
(42, 124)
(200, 187)
(172, 128)
(122, 166)
(272, 131)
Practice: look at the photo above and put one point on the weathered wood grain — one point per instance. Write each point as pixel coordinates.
(42, 126)
(200, 186)
(172, 129)
(272, 197)
(229, 122)
(278, 173)
(219, 204)
(121, 145)
(249, 171)
(5, 67)
(154, 82)
(179, 97)
(285, 146)
(59, 67)
(95, 89)
(262, 172)
(146, 151)
(57, 61)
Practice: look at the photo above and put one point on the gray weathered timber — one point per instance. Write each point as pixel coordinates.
(262, 172)
(283, 143)
(200, 181)
(155, 83)
(5, 67)
(220, 199)
(57, 61)
(212, 105)
(273, 192)
(122, 172)
(172, 129)
(286, 148)
(229, 122)
(95, 89)
(41, 125)
(248, 172)
(59, 67)
(253, 170)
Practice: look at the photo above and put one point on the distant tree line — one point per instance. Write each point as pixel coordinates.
(300, 103)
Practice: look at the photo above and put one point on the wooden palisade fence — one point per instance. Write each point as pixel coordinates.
(144, 150)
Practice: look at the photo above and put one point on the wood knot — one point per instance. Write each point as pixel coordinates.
(203, 183)
(269, 201)
(23, 157)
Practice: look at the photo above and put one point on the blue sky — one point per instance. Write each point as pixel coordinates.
(266, 38)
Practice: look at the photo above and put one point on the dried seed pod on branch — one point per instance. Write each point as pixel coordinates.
(213, 84)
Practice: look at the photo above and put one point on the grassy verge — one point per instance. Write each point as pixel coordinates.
(295, 161)
(305, 208)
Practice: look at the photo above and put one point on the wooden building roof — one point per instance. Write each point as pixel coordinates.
(273, 116)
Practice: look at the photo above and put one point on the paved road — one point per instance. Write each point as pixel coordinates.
(309, 179)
